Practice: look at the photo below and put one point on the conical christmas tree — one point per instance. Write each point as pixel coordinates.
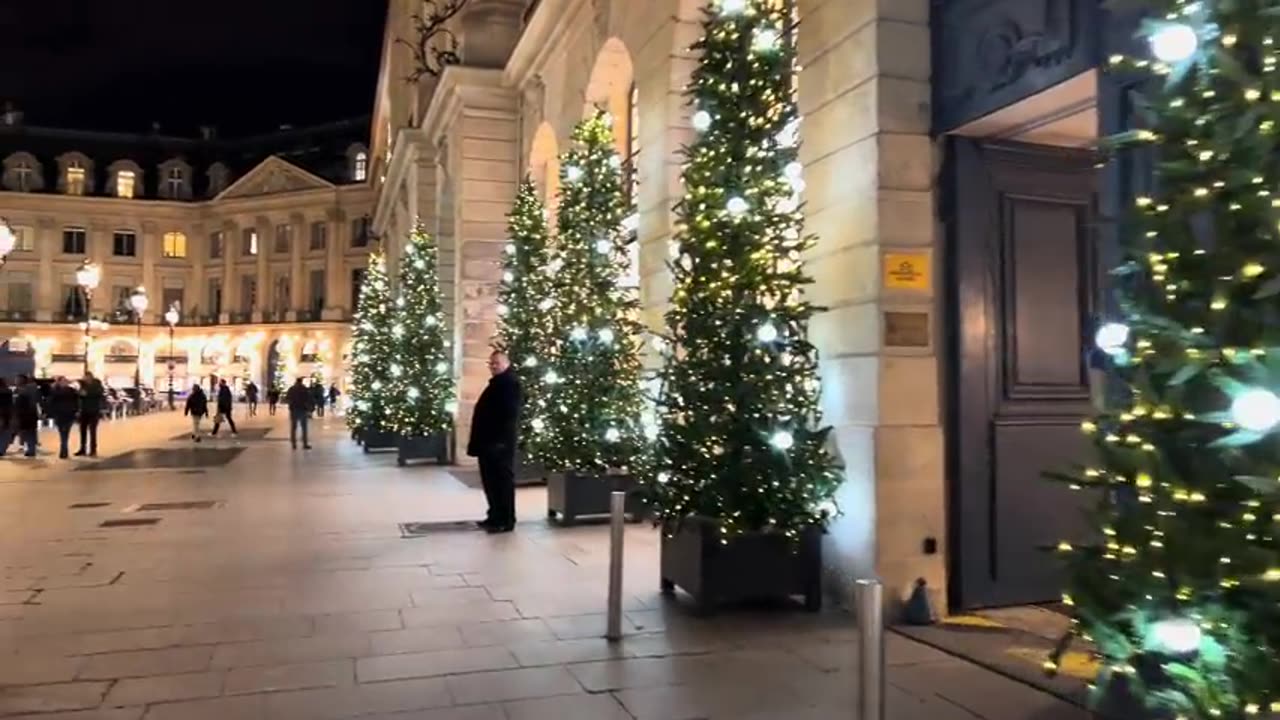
(592, 386)
(527, 306)
(371, 351)
(1180, 592)
(739, 440)
(423, 400)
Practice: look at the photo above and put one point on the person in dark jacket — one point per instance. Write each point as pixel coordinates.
(334, 393)
(62, 408)
(493, 442)
(7, 429)
(223, 407)
(93, 398)
(300, 401)
(251, 394)
(273, 399)
(317, 397)
(26, 413)
(197, 409)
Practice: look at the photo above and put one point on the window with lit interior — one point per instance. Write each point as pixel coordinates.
(174, 245)
(125, 180)
(360, 168)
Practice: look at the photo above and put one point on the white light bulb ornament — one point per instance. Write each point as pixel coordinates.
(1256, 410)
(782, 440)
(606, 336)
(573, 173)
(612, 435)
(732, 7)
(603, 246)
(737, 206)
(767, 333)
(702, 121)
(1177, 636)
(766, 40)
(1112, 337)
(1174, 42)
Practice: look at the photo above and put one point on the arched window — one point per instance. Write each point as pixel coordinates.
(360, 167)
(633, 142)
(75, 180)
(125, 181)
(22, 176)
(176, 181)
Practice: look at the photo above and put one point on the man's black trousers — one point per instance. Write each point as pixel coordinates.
(498, 476)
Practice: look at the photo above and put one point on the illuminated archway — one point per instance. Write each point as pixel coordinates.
(610, 88)
(544, 165)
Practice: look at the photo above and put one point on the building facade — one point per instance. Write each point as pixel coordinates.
(950, 179)
(259, 243)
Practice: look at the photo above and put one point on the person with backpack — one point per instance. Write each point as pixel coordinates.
(223, 406)
(197, 409)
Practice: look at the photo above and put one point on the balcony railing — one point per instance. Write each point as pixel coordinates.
(18, 315)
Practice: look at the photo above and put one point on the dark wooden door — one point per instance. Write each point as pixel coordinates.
(1022, 288)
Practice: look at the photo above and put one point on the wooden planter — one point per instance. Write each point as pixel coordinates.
(378, 440)
(753, 566)
(432, 447)
(572, 495)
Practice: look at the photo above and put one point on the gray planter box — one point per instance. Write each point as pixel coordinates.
(529, 473)
(379, 440)
(753, 566)
(432, 447)
(572, 495)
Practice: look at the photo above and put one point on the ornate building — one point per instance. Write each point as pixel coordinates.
(258, 242)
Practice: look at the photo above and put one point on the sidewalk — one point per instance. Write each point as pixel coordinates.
(276, 584)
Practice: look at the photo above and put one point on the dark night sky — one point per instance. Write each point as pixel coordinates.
(242, 65)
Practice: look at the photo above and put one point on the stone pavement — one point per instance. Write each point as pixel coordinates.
(283, 589)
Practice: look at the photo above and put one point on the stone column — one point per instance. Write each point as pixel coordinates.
(266, 243)
(194, 290)
(336, 272)
(869, 164)
(150, 251)
(230, 249)
(297, 282)
(48, 298)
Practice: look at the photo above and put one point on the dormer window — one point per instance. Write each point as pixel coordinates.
(75, 179)
(126, 181)
(23, 174)
(360, 172)
(176, 180)
(219, 176)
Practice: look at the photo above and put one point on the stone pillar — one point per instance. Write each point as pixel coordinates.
(869, 165)
(483, 193)
(150, 250)
(195, 291)
(230, 249)
(48, 298)
(266, 244)
(336, 273)
(297, 281)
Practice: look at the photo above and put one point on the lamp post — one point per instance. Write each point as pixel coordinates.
(7, 239)
(171, 316)
(88, 277)
(138, 301)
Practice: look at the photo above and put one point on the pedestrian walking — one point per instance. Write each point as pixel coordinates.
(62, 408)
(197, 409)
(7, 428)
(223, 407)
(273, 399)
(251, 394)
(26, 412)
(317, 397)
(493, 442)
(299, 400)
(93, 398)
(333, 398)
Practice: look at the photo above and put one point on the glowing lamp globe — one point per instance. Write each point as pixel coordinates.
(1174, 43)
(7, 239)
(171, 316)
(88, 276)
(138, 300)
(1257, 410)
(702, 121)
(1111, 338)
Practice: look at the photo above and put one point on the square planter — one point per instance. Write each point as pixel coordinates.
(572, 495)
(378, 440)
(529, 472)
(753, 566)
(357, 434)
(432, 447)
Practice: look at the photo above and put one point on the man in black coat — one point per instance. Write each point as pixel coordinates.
(493, 442)
(222, 403)
(93, 397)
(62, 408)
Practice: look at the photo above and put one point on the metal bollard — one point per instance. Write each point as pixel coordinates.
(617, 520)
(868, 597)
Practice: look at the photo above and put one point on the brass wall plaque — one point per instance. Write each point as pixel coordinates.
(906, 329)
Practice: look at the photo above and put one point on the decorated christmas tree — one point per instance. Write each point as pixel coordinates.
(1179, 589)
(527, 305)
(423, 399)
(591, 386)
(739, 440)
(371, 351)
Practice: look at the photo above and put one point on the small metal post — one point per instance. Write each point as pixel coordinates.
(617, 512)
(868, 596)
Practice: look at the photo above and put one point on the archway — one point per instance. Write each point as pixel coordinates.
(544, 165)
(611, 88)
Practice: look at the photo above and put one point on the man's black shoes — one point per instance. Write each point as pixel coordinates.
(499, 529)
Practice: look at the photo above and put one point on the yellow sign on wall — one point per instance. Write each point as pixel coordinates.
(906, 271)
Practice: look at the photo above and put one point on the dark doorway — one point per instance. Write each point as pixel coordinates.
(1022, 288)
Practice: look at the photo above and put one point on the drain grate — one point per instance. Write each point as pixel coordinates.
(129, 522)
(422, 529)
(84, 505)
(183, 505)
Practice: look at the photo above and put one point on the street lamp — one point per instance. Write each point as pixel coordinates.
(7, 240)
(138, 301)
(171, 316)
(88, 277)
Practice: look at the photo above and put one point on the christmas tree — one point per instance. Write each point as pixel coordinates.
(592, 387)
(371, 351)
(1180, 592)
(739, 440)
(526, 305)
(422, 401)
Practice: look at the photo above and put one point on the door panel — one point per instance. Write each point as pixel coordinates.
(1022, 274)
